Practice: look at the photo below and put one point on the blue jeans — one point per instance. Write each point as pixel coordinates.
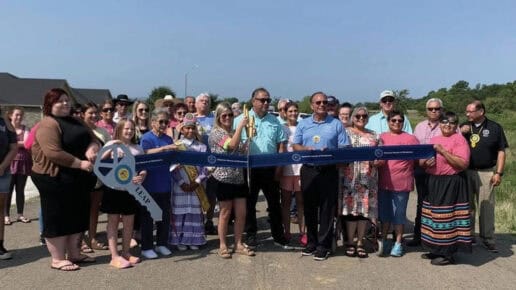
(392, 206)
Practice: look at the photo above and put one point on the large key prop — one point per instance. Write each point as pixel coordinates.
(118, 172)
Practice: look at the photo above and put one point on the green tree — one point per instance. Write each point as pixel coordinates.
(159, 93)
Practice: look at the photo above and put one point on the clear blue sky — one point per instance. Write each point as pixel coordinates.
(351, 49)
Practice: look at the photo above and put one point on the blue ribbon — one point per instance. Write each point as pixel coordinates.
(316, 157)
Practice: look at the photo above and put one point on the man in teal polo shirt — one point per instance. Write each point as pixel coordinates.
(270, 138)
(378, 121)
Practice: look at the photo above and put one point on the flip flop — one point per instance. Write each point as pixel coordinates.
(132, 259)
(83, 259)
(120, 263)
(7, 221)
(86, 249)
(65, 266)
(23, 219)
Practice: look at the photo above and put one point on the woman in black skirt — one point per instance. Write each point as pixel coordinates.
(63, 153)
(445, 223)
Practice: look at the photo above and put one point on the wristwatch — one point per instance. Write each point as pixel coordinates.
(499, 173)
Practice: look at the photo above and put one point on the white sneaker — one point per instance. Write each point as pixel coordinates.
(182, 247)
(163, 250)
(193, 247)
(149, 254)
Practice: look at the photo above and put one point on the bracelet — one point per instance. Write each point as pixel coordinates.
(499, 173)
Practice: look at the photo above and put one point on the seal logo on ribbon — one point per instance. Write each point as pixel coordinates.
(378, 153)
(212, 159)
(296, 157)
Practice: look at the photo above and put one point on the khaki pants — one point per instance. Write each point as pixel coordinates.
(482, 200)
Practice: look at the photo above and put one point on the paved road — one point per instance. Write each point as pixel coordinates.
(272, 268)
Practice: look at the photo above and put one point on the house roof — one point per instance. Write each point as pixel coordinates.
(30, 91)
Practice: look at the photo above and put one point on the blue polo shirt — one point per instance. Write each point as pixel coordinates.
(329, 134)
(378, 123)
(269, 133)
(159, 179)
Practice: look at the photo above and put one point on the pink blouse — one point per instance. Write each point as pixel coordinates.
(456, 145)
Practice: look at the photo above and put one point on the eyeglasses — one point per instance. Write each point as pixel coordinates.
(437, 109)
(106, 110)
(318, 103)
(448, 122)
(143, 110)
(163, 122)
(180, 113)
(222, 116)
(397, 120)
(268, 100)
(361, 116)
(388, 100)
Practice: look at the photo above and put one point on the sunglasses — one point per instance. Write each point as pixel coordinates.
(106, 110)
(122, 104)
(436, 109)
(143, 110)
(163, 122)
(180, 113)
(226, 116)
(268, 100)
(318, 103)
(388, 100)
(397, 120)
(361, 116)
(448, 122)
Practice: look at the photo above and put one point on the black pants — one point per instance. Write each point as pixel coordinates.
(319, 186)
(162, 227)
(263, 179)
(422, 191)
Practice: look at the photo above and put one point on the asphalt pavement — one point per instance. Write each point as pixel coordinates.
(271, 268)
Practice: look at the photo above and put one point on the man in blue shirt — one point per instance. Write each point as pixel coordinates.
(270, 138)
(319, 184)
(158, 184)
(378, 121)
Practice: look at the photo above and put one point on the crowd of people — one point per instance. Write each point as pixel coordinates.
(59, 154)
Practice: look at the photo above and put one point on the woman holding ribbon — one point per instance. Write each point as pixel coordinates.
(358, 185)
(396, 181)
(445, 225)
(229, 184)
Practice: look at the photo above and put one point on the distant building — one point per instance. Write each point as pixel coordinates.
(28, 93)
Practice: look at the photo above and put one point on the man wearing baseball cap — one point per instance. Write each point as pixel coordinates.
(378, 121)
(332, 106)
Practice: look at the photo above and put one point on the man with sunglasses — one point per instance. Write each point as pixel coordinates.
(424, 131)
(487, 143)
(319, 184)
(282, 114)
(269, 138)
(378, 121)
(122, 104)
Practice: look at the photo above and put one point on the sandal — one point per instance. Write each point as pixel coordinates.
(224, 253)
(351, 251)
(7, 221)
(96, 245)
(245, 251)
(120, 263)
(85, 248)
(361, 252)
(23, 219)
(132, 259)
(65, 265)
(82, 259)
